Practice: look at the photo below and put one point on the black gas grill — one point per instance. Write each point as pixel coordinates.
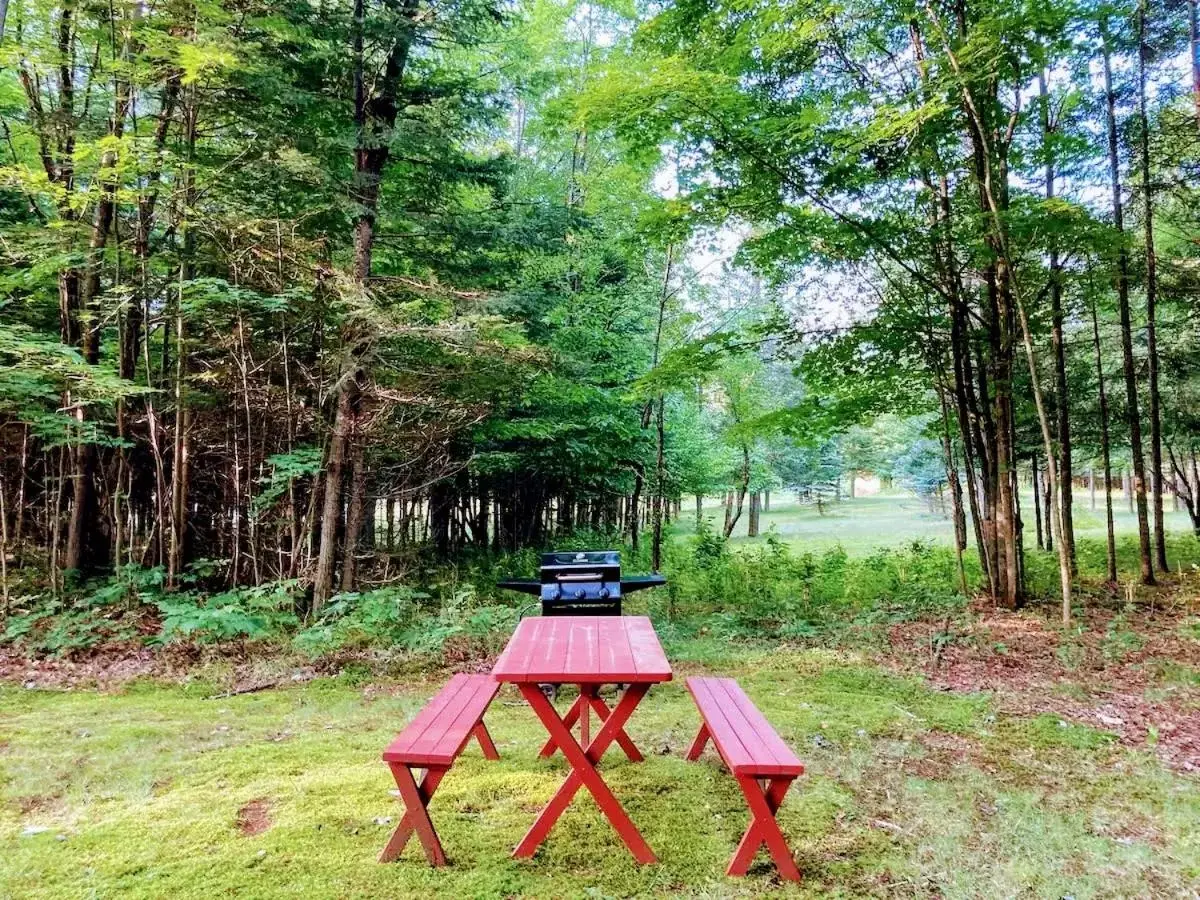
(582, 583)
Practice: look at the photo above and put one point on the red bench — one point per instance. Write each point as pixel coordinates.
(762, 763)
(432, 741)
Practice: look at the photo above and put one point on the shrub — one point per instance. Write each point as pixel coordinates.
(249, 612)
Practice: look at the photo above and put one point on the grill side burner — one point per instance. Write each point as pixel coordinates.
(582, 583)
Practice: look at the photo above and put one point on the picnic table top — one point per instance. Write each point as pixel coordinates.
(583, 650)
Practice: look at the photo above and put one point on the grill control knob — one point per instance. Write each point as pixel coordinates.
(581, 595)
(605, 593)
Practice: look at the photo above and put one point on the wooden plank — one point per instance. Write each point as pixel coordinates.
(763, 754)
(558, 658)
(615, 641)
(745, 739)
(472, 702)
(460, 731)
(514, 661)
(440, 735)
(540, 648)
(772, 745)
(583, 650)
(580, 659)
(723, 733)
(502, 661)
(424, 719)
(651, 661)
(427, 747)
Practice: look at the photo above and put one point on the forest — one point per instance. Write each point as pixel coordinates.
(291, 289)
(876, 328)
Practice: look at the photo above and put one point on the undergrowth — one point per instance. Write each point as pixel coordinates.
(766, 591)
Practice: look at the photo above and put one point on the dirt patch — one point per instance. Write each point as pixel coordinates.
(35, 803)
(255, 817)
(116, 667)
(1105, 673)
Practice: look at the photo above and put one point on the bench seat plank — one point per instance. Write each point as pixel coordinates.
(747, 742)
(442, 728)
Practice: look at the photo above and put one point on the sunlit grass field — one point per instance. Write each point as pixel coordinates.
(910, 792)
(865, 523)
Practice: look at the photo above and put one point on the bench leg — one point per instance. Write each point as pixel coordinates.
(763, 828)
(416, 815)
(697, 747)
(486, 744)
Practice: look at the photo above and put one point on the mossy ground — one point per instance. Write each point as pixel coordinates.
(910, 792)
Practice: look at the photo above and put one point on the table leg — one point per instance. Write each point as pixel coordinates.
(576, 714)
(584, 774)
(623, 739)
(586, 693)
(570, 719)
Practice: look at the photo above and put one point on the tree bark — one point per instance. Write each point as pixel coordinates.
(1105, 451)
(332, 508)
(732, 514)
(960, 522)
(1133, 417)
(1063, 418)
(1156, 457)
(1037, 502)
(354, 514)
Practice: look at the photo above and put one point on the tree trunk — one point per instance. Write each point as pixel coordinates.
(181, 453)
(1037, 502)
(635, 500)
(1188, 490)
(1063, 419)
(960, 522)
(331, 511)
(733, 514)
(659, 483)
(752, 524)
(1105, 451)
(1156, 458)
(1131, 390)
(354, 513)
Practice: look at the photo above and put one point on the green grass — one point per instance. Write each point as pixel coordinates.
(910, 792)
(864, 524)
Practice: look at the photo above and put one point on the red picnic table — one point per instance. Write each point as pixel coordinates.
(587, 651)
